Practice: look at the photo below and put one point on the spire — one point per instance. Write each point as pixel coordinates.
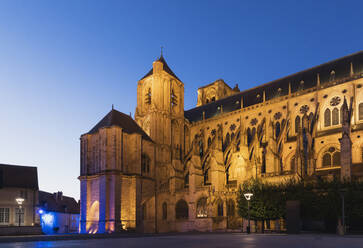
(161, 51)
(112, 106)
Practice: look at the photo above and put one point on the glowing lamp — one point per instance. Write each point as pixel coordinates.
(248, 196)
(19, 200)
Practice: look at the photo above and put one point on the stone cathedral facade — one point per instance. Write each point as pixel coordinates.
(171, 169)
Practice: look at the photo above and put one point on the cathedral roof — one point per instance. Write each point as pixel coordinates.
(340, 69)
(116, 118)
(15, 176)
(166, 68)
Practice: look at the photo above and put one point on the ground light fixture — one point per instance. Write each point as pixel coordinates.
(248, 198)
(20, 201)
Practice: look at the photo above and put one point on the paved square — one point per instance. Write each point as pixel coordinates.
(206, 241)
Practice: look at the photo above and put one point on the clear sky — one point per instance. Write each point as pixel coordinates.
(64, 63)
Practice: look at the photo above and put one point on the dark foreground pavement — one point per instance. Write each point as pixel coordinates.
(203, 241)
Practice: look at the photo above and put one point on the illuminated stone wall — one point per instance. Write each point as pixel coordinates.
(194, 167)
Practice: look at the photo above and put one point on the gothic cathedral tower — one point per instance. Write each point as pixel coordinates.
(160, 112)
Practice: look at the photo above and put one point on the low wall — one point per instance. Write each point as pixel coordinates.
(20, 230)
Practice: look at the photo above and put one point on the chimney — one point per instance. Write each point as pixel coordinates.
(58, 196)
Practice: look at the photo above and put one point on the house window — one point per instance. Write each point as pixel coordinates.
(331, 158)
(19, 215)
(181, 210)
(4, 215)
(327, 118)
(202, 208)
(165, 211)
(220, 208)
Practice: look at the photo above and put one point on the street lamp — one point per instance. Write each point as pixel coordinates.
(20, 201)
(248, 198)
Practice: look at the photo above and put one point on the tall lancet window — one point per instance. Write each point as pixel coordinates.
(335, 115)
(327, 118)
(174, 99)
(148, 96)
(297, 124)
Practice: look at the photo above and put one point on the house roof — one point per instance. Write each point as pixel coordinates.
(116, 118)
(166, 68)
(56, 202)
(15, 176)
(341, 68)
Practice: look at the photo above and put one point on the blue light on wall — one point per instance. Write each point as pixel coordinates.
(47, 221)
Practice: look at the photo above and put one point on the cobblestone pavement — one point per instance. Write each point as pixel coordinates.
(206, 240)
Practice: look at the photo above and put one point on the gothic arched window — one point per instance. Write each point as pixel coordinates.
(360, 111)
(230, 207)
(335, 116)
(331, 158)
(201, 148)
(145, 163)
(297, 124)
(174, 98)
(202, 208)
(249, 136)
(327, 118)
(278, 129)
(181, 210)
(209, 142)
(165, 211)
(206, 177)
(220, 208)
(227, 141)
(326, 160)
(311, 118)
(148, 96)
(186, 180)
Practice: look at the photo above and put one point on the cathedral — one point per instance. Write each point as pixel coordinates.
(175, 170)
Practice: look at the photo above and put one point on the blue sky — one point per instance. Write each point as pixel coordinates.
(64, 63)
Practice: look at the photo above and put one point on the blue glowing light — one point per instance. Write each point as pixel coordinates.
(40, 211)
(48, 219)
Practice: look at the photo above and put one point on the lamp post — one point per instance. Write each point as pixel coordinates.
(248, 198)
(20, 201)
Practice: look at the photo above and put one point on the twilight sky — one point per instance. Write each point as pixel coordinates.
(64, 63)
